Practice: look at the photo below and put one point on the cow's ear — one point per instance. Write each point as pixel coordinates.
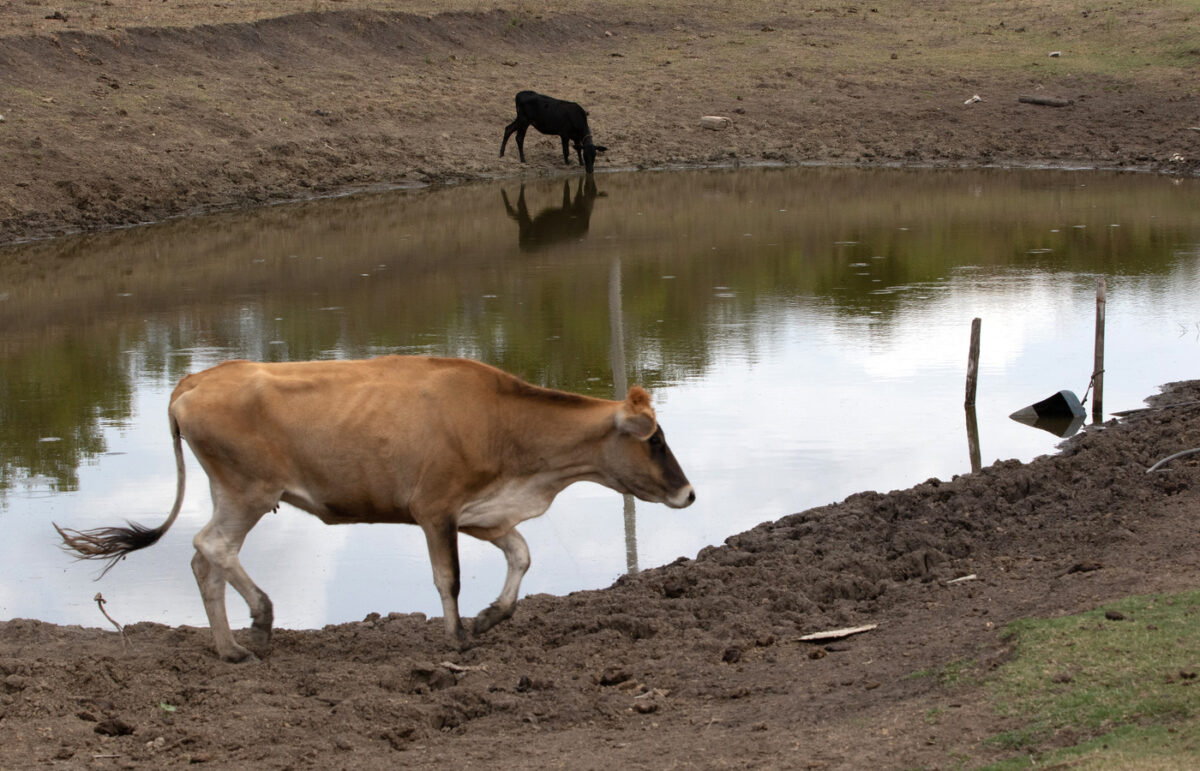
(636, 416)
(600, 148)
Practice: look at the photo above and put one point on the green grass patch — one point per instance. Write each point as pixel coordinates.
(1127, 748)
(1112, 688)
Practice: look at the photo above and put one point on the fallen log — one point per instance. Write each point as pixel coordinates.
(1045, 101)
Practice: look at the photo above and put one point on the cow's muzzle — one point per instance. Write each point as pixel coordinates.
(682, 498)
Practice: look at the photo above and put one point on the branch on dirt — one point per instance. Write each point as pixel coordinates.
(99, 598)
(836, 634)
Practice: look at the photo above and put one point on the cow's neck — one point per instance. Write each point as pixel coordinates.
(563, 440)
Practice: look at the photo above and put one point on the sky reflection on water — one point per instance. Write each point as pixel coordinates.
(804, 333)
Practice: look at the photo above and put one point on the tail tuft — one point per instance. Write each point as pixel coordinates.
(108, 543)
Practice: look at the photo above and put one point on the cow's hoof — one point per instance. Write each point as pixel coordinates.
(239, 655)
(260, 639)
(491, 616)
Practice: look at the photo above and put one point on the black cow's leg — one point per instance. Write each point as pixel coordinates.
(521, 141)
(566, 151)
(508, 206)
(508, 130)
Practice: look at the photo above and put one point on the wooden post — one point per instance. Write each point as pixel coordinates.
(973, 439)
(616, 332)
(973, 364)
(616, 329)
(1098, 365)
(969, 402)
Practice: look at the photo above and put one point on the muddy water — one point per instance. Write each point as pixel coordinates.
(804, 333)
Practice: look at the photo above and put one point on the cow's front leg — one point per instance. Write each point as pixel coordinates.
(566, 150)
(442, 539)
(516, 553)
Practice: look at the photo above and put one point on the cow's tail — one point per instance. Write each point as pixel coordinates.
(113, 543)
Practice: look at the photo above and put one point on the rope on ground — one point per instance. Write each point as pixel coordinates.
(1091, 383)
(1170, 458)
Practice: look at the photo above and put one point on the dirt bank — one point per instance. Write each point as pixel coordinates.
(127, 111)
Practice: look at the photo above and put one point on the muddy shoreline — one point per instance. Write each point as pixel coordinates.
(700, 659)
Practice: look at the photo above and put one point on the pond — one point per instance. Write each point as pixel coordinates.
(804, 333)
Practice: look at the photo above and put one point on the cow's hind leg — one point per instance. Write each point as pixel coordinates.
(211, 581)
(442, 540)
(508, 130)
(216, 562)
(516, 553)
(521, 140)
(519, 127)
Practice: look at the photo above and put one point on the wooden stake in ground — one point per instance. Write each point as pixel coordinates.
(973, 452)
(1098, 365)
(973, 363)
(969, 401)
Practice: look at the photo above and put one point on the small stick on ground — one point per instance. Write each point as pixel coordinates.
(99, 598)
(837, 634)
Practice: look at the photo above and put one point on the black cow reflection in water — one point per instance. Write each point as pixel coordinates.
(568, 222)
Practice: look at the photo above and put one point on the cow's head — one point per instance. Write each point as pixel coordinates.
(589, 153)
(638, 458)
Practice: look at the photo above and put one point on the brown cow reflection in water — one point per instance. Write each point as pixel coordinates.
(554, 224)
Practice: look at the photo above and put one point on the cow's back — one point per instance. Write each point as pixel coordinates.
(355, 437)
(552, 116)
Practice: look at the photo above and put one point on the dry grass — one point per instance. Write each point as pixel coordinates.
(252, 111)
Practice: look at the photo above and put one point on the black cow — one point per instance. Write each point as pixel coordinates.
(553, 117)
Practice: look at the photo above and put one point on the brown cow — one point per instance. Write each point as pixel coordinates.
(447, 444)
